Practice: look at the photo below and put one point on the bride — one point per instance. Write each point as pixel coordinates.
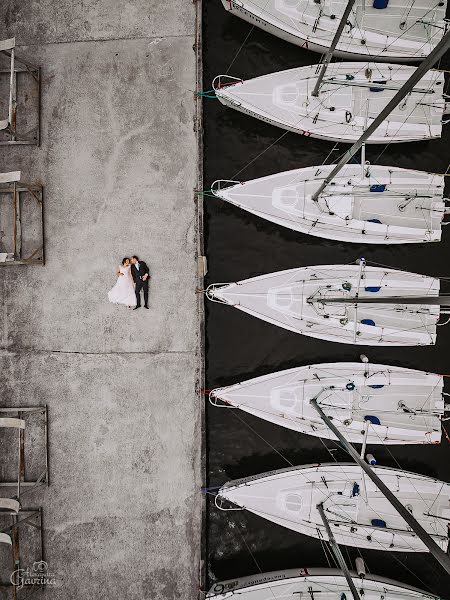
(123, 291)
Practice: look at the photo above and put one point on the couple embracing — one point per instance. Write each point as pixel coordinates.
(132, 277)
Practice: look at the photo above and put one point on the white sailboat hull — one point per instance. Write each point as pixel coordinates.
(351, 96)
(327, 584)
(389, 34)
(289, 497)
(409, 210)
(407, 403)
(296, 300)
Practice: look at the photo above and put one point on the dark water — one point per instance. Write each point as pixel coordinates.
(239, 346)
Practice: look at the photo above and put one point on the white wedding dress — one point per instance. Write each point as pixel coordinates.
(123, 291)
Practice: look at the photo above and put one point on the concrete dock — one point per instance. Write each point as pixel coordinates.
(118, 160)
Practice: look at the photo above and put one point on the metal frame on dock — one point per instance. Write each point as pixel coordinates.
(16, 418)
(18, 68)
(11, 186)
(30, 522)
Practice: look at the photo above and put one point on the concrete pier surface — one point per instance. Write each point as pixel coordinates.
(119, 161)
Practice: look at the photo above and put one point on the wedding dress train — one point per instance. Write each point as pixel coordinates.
(123, 291)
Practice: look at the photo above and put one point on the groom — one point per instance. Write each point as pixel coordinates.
(141, 275)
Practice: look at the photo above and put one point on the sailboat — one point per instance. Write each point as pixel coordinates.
(350, 97)
(323, 584)
(369, 204)
(402, 30)
(357, 512)
(369, 403)
(350, 304)
(345, 102)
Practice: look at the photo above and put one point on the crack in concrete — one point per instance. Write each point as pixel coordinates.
(4, 351)
(4, 314)
(111, 39)
(119, 139)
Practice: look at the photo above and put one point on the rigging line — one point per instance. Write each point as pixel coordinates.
(339, 446)
(266, 149)
(272, 144)
(396, 133)
(308, 116)
(328, 373)
(425, 585)
(337, 551)
(421, 581)
(327, 272)
(289, 20)
(297, 178)
(209, 493)
(440, 277)
(386, 446)
(325, 126)
(448, 166)
(427, 217)
(409, 479)
(409, 302)
(309, 221)
(408, 29)
(240, 48)
(263, 439)
(325, 550)
(374, 57)
(324, 546)
(402, 125)
(414, 304)
(378, 67)
(408, 10)
(237, 527)
(311, 525)
(349, 560)
(383, 334)
(260, 154)
(429, 395)
(333, 558)
(245, 404)
(335, 147)
(288, 473)
(245, 40)
(336, 443)
(294, 22)
(438, 553)
(362, 475)
(305, 477)
(437, 495)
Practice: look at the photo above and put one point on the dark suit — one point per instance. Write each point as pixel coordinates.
(137, 275)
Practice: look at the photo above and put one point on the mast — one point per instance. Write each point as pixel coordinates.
(362, 264)
(425, 66)
(363, 146)
(338, 554)
(440, 556)
(442, 300)
(329, 54)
